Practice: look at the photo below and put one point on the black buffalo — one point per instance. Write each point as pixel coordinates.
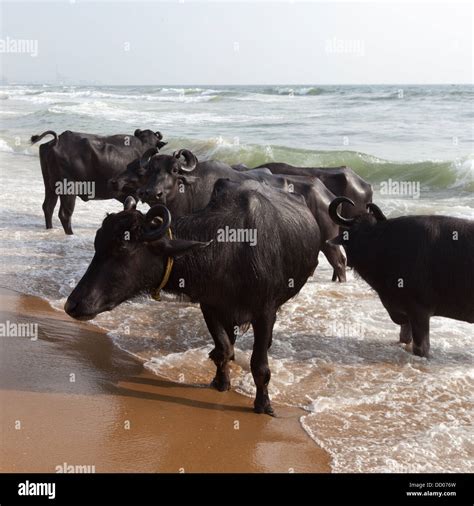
(80, 165)
(185, 185)
(340, 180)
(235, 282)
(318, 198)
(420, 266)
(171, 176)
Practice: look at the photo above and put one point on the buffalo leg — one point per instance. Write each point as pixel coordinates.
(335, 257)
(420, 326)
(65, 212)
(400, 319)
(50, 200)
(223, 351)
(50, 196)
(263, 329)
(405, 333)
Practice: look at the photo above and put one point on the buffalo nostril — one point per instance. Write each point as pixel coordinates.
(69, 306)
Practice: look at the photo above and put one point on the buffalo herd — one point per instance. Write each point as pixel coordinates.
(242, 241)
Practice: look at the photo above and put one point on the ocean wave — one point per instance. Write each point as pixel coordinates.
(101, 109)
(435, 416)
(438, 174)
(5, 147)
(455, 174)
(189, 94)
(292, 90)
(162, 94)
(48, 97)
(111, 112)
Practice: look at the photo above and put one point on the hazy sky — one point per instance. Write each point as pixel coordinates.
(239, 42)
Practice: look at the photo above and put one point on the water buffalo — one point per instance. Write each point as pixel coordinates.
(134, 177)
(186, 185)
(340, 180)
(171, 176)
(250, 250)
(80, 165)
(317, 197)
(420, 266)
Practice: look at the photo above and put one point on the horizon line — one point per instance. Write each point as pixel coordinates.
(21, 83)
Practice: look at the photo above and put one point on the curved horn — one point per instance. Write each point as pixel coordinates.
(335, 216)
(158, 211)
(130, 203)
(159, 135)
(190, 159)
(146, 157)
(376, 211)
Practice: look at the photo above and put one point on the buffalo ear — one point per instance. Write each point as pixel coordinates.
(177, 247)
(188, 180)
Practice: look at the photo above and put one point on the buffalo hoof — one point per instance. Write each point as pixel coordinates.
(221, 386)
(341, 277)
(267, 409)
(421, 351)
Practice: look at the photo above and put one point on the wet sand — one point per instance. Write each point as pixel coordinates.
(72, 397)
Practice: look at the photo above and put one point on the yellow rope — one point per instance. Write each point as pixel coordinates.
(169, 266)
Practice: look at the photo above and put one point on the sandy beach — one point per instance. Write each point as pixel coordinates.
(72, 398)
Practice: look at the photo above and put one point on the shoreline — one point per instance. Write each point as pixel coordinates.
(73, 398)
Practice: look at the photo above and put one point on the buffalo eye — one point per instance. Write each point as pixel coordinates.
(175, 171)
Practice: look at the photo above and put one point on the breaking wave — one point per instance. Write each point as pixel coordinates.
(455, 174)
(438, 174)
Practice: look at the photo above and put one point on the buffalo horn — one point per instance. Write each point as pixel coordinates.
(376, 211)
(190, 160)
(158, 211)
(130, 203)
(146, 157)
(335, 216)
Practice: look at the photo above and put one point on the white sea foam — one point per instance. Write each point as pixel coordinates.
(5, 147)
(51, 97)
